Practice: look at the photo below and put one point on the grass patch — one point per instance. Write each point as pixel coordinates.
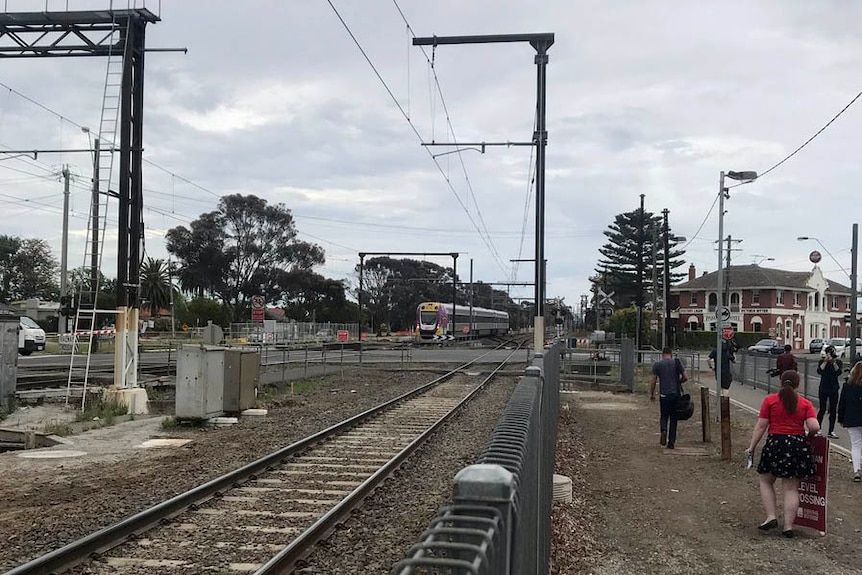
(273, 395)
(59, 428)
(104, 411)
(169, 423)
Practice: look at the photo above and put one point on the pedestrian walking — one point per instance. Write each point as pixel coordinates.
(727, 358)
(829, 368)
(787, 453)
(850, 417)
(786, 361)
(670, 374)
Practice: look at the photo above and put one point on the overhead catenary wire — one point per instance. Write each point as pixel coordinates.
(451, 128)
(401, 109)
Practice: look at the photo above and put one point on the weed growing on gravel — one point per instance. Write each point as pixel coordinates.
(60, 428)
(169, 423)
(104, 411)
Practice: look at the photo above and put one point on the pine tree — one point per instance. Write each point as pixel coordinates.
(617, 268)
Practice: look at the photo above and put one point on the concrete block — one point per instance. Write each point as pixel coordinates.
(134, 398)
(254, 412)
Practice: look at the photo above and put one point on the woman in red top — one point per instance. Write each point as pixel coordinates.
(787, 453)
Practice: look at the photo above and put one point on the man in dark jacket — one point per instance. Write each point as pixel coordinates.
(669, 373)
(786, 361)
(829, 368)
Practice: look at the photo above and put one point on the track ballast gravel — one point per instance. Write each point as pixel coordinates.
(42, 511)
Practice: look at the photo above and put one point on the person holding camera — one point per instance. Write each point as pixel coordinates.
(829, 368)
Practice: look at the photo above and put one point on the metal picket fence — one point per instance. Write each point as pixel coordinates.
(751, 369)
(500, 521)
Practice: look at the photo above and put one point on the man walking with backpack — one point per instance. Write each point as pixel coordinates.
(670, 374)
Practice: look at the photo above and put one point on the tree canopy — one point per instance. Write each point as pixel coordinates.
(240, 250)
(27, 269)
(617, 267)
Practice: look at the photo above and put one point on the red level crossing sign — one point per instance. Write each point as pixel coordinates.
(727, 332)
(813, 491)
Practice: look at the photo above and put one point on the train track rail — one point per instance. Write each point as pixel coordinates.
(266, 516)
(47, 378)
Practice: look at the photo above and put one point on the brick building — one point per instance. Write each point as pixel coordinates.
(793, 307)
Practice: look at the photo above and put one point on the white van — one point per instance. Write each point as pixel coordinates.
(31, 337)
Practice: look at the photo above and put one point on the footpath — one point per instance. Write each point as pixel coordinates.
(641, 509)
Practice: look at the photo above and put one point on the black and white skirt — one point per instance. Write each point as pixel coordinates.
(787, 456)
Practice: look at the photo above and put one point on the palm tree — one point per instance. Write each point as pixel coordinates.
(155, 285)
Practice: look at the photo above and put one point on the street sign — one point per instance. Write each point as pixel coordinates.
(727, 333)
(771, 332)
(465, 330)
(258, 307)
(813, 491)
(722, 313)
(814, 256)
(343, 334)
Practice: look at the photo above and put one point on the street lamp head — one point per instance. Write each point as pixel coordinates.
(803, 238)
(742, 176)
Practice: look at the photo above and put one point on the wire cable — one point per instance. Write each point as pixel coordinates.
(415, 131)
(817, 133)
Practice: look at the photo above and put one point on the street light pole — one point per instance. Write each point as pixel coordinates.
(744, 177)
(718, 299)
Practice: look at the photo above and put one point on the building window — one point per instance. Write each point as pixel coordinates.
(755, 297)
(713, 301)
(779, 297)
(796, 298)
(834, 302)
(847, 303)
(693, 298)
(756, 324)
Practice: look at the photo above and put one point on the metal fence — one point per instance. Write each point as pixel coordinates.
(500, 522)
(750, 369)
(273, 332)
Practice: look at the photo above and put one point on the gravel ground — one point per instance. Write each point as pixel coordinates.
(41, 511)
(379, 534)
(644, 510)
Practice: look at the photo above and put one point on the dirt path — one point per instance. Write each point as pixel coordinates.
(641, 509)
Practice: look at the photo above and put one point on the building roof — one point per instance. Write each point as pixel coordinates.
(753, 276)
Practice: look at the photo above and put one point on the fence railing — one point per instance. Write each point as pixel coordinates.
(750, 369)
(500, 521)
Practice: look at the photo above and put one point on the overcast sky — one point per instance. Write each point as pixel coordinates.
(273, 98)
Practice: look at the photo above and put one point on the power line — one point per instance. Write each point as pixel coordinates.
(703, 223)
(491, 249)
(470, 189)
(817, 133)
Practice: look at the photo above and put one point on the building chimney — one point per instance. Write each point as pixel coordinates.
(692, 273)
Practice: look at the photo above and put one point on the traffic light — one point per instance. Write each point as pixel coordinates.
(67, 306)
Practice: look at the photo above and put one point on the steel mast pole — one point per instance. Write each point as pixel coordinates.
(63, 323)
(541, 138)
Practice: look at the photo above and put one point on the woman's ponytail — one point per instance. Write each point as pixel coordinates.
(787, 393)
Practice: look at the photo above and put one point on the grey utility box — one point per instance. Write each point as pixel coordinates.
(200, 382)
(241, 376)
(9, 319)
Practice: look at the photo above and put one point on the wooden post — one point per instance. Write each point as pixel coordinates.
(725, 428)
(704, 414)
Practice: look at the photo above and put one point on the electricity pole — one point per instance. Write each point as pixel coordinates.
(853, 294)
(639, 283)
(665, 332)
(654, 313)
(62, 322)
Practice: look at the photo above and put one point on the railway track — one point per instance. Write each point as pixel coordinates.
(266, 516)
(46, 378)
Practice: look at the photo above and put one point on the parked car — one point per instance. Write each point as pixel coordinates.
(844, 352)
(816, 345)
(772, 346)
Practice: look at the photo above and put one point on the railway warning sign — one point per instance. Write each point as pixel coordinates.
(812, 491)
(343, 335)
(727, 333)
(465, 330)
(258, 306)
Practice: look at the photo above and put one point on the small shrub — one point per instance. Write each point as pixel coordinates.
(169, 423)
(104, 410)
(60, 428)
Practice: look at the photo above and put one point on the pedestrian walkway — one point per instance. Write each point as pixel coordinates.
(641, 509)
